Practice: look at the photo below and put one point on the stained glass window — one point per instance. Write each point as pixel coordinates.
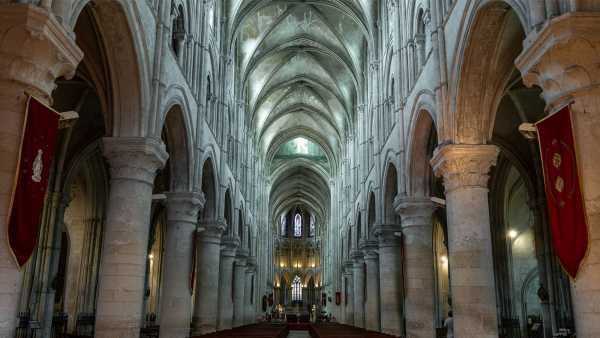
(312, 225)
(296, 289)
(298, 225)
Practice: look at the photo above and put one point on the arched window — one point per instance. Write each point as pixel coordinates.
(283, 225)
(312, 225)
(296, 289)
(298, 225)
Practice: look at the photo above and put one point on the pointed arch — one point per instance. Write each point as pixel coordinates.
(391, 191)
(175, 136)
(209, 188)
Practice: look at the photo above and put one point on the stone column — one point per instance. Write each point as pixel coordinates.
(228, 248)
(176, 298)
(348, 293)
(359, 288)
(248, 291)
(563, 60)
(239, 284)
(34, 51)
(417, 231)
(390, 279)
(465, 169)
(133, 163)
(207, 296)
(372, 310)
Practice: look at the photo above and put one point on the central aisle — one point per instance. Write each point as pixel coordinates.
(299, 334)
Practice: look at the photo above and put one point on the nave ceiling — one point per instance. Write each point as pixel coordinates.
(301, 68)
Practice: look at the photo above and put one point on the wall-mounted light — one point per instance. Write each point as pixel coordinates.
(512, 234)
(150, 256)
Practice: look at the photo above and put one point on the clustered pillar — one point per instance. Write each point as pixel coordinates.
(465, 169)
(133, 165)
(417, 230)
(176, 299)
(209, 252)
(390, 282)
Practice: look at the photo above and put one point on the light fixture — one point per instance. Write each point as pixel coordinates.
(512, 234)
(150, 256)
(444, 259)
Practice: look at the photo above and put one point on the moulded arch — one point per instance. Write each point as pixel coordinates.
(177, 140)
(485, 68)
(209, 185)
(390, 193)
(419, 167)
(128, 68)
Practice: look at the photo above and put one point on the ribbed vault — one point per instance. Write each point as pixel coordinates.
(301, 66)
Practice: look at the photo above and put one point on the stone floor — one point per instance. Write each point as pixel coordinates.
(298, 334)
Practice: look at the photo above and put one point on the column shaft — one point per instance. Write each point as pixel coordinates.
(565, 52)
(133, 165)
(417, 232)
(238, 291)
(176, 298)
(225, 319)
(248, 316)
(359, 290)
(348, 294)
(207, 296)
(465, 171)
(24, 28)
(372, 314)
(390, 280)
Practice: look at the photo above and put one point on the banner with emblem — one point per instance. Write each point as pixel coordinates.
(566, 210)
(38, 144)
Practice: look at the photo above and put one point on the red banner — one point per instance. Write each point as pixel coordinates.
(38, 144)
(338, 298)
(563, 192)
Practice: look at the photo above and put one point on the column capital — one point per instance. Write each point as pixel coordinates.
(242, 255)
(369, 249)
(563, 57)
(371, 255)
(357, 256)
(184, 206)
(134, 158)
(35, 50)
(229, 245)
(414, 211)
(348, 265)
(386, 234)
(251, 262)
(211, 230)
(464, 165)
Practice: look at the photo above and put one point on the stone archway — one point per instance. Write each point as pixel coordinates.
(488, 56)
(209, 189)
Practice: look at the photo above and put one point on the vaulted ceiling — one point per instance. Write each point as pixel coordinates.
(300, 66)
